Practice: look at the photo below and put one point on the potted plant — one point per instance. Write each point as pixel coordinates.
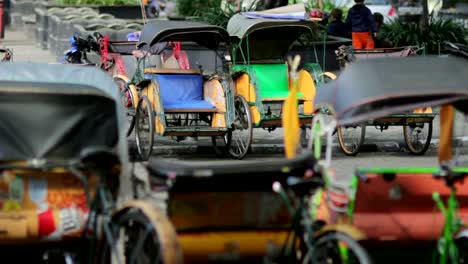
(432, 37)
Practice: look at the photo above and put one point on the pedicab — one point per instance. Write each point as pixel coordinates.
(261, 74)
(417, 123)
(395, 206)
(180, 97)
(110, 53)
(65, 178)
(252, 211)
(7, 54)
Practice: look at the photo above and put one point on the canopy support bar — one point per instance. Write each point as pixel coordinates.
(447, 115)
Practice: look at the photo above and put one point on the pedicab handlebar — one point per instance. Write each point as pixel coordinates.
(79, 46)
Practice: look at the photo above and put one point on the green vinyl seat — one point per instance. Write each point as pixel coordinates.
(271, 80)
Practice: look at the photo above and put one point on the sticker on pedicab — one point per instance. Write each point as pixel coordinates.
(11, 191)
(38, 192)
(66, 193)
(58, 223)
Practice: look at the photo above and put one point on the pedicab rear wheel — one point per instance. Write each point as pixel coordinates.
(329, 247)
(128, 101)
(142, 234)
(350, 145)
(414, 135)
(239, 139)
(144, 125)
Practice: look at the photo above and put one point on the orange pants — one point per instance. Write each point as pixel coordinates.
(362, 40)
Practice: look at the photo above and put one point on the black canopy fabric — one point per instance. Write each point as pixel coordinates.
(58, 78)
(122, 47)
(375, 88)
(168, 30)
(54, 111)
(266, 39)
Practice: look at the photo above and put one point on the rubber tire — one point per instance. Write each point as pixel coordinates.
(149, 114)
(140, 217)
(359, 251)
(122, 93)
(228, 136)
(411, 148)
(342, 145)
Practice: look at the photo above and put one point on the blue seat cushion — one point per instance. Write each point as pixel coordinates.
(190, 104)
(181, 91)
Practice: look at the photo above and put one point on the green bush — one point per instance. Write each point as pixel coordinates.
(215, 14)
(437, 31)
(196, 7)
(98, 2)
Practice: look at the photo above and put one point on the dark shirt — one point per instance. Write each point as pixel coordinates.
(360, 19)
(338, 28)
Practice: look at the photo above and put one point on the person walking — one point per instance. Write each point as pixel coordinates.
(361, 23)
(336, 26)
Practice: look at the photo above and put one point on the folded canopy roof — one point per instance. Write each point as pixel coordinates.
(55, 111)
(264, 38)
(206, 35)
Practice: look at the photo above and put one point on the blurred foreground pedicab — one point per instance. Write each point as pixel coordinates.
(417, 123)
(396, 206)
(65, 183)
(253, 211)
(260, 73)
(185, 94)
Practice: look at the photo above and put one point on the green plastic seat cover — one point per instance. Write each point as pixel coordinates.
(271, 80)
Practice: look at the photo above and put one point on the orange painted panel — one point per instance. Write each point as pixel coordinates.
(219, 120)
(245, 88)
(306, 86)
(213, 92)
(403, 210)
(206, 247)
(256, 117)
(425, 110)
